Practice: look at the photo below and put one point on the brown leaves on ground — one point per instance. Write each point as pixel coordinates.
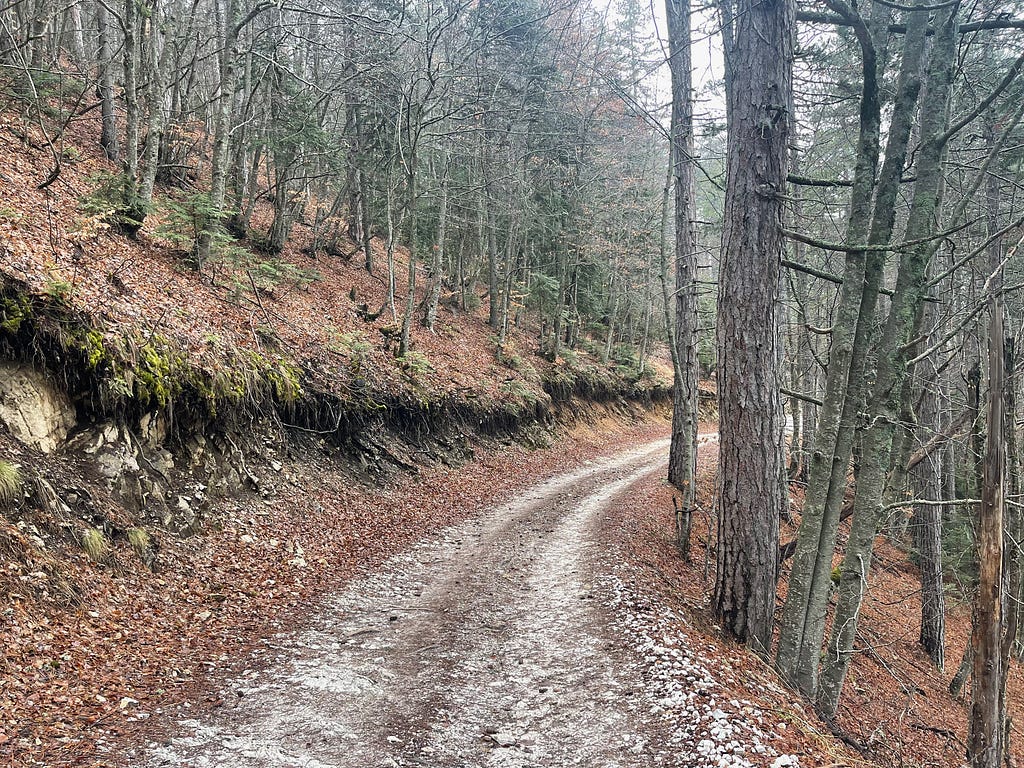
(895, 705)
(89, 670)
(339, 326)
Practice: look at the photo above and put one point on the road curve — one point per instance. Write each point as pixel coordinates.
(482, 646)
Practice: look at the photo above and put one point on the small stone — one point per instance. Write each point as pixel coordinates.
(503, 739)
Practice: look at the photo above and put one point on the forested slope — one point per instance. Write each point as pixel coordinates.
(190, 453)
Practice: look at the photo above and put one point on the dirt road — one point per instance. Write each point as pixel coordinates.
(490, 645)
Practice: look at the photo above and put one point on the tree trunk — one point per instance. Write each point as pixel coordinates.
(130, 183)
(926, 524)
(986, 724)
(804, 613)
(221, 154)
(410, 299)
(892, 366)
(156, 96)
(682, 462)
(105, 86)
(437, 258)
(364, 215)
(751, 453)
(988, 678)
(803, 616)
(77, 35)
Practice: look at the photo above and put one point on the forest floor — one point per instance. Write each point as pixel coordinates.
(555, 627)
(432, 584)
(516, 638)
(896, 709)
(527, 608)
(80, 679)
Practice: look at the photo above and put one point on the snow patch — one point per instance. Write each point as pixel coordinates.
(682, 689)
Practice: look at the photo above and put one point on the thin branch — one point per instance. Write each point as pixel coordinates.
(865, 248)
(801, 396)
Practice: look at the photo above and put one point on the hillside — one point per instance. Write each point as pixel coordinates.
(202, 453)
(897, 711)
(195, 459)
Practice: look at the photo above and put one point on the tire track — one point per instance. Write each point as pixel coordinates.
(483, 646)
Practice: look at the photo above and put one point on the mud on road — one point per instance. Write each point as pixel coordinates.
(492, 644)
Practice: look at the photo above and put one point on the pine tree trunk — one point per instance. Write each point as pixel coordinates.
(988, 677)
(751, 453)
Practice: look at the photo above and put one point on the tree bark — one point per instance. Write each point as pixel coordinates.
(926, 526)
(988, 678)
(222, 125)
(437, 257)
(751, 454)
(682, 464)
(892, 365)
(130, 182)
(986, 724)
(156, 65)
(804, 615)
(105, 86)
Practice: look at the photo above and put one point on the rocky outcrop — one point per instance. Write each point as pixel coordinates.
(35, 411)
(167, 488)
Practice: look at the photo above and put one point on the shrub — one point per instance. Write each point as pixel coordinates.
(107, 203)
(186, 222)
(191, 220)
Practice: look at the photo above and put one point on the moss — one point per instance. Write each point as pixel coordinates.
(155, 382)
(90, 343)
(286, 381)
(127, 374)
(14, 311)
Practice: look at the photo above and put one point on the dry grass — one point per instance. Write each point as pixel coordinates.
(10, 483)
(95, 544)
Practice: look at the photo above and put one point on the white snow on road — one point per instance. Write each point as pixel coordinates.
(684, 689)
